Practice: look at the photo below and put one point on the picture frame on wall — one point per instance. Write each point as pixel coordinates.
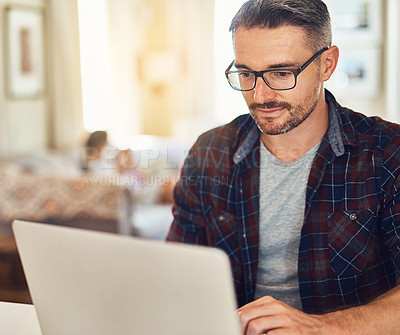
(25, 52)
(356, 20)
(357, 31)
(357, 73)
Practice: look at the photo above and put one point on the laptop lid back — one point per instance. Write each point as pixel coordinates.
(85, 282)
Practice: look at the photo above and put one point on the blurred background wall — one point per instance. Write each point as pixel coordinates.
(156, 67)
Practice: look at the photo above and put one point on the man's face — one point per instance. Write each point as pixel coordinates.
(258, 49)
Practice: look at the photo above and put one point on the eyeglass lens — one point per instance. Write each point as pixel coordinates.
(243, 80)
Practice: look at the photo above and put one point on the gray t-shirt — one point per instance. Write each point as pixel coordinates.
(282, 204)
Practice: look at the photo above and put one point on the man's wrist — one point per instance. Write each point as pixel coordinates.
(344, 322)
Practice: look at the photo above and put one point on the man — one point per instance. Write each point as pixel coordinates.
(302, 194)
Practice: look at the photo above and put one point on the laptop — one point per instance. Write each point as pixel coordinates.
(93, 283)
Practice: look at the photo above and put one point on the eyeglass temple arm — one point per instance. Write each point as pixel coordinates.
(302, 68)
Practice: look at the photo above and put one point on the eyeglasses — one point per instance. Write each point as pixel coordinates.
(277, 79)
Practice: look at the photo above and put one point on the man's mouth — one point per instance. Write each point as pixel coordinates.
(271, 107)
(266, 112)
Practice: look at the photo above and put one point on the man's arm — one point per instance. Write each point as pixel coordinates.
(381, 316)
(187, 226)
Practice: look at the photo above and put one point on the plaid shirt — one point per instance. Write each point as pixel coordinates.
(350, 242)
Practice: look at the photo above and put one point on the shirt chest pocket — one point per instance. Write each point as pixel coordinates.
(352, 241)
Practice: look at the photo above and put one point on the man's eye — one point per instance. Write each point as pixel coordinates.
(245, 75)
(283, 73)
(279, 75)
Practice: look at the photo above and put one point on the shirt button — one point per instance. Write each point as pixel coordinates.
(353, 216)
(221, 218)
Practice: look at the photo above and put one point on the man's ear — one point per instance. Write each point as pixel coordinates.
(329, 62)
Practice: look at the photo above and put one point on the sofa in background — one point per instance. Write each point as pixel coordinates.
(75, 202)
(51, 187)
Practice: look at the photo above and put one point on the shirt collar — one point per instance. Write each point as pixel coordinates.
(247, 145)
(334, 133)
(341, 131)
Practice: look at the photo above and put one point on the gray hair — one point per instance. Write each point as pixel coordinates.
(310, 15)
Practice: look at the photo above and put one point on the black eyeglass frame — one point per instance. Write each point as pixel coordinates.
(257, 74)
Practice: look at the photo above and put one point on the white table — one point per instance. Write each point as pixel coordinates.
(18, 319)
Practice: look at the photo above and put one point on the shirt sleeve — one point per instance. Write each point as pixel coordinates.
(188, 223)
(390, 212)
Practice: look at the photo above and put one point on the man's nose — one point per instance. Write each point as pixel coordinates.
(262, 92)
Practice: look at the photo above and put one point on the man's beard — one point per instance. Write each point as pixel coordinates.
(297, 115)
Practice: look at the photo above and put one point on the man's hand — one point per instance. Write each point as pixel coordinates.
(270, 316)
(273, 317)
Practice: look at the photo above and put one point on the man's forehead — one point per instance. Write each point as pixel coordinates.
(269, 46)
(284, 35)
